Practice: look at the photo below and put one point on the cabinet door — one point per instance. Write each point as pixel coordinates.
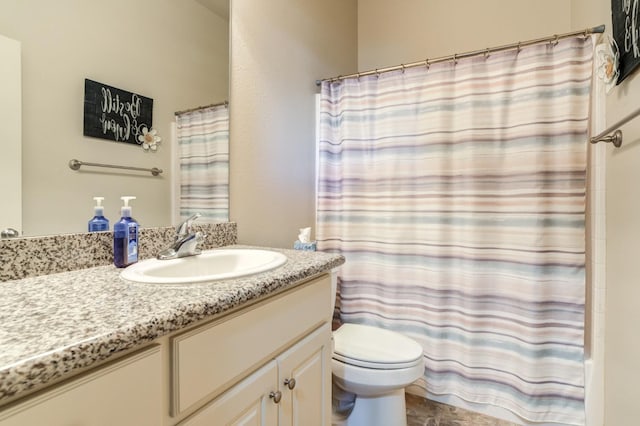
(248, 403)
(127, 392)
(307, 401)
(209, 359)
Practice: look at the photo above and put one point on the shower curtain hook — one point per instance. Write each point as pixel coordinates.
(487, 53)
(554, 42)
(455, 59)
(377, 73)
(519, 47)
(427, 64)
(358, 76)
(402, 65)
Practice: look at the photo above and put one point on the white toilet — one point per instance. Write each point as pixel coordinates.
(371, 367)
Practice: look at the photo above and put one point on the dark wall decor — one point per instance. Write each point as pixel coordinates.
(114, 114)
(626, 33)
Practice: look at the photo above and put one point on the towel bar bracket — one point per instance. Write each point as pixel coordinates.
(615, 138)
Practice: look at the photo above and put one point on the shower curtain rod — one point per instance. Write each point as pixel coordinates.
(456, 56)
(225, 103)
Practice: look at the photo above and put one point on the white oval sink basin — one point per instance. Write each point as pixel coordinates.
(210, 265)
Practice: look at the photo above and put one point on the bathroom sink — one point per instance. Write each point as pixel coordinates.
(210, 265)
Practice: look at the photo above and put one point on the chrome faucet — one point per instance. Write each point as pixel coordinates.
(185, 243)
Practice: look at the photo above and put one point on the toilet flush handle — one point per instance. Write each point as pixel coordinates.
(290, 383)
(276, 396)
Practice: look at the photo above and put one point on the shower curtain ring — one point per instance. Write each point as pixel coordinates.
(554, 42)
(403, 67)
(519, 47)
(487, 53)
(377, 73)
(427, 64)
(455, 59)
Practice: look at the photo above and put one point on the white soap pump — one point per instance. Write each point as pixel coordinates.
(98, 222)
(125, 211)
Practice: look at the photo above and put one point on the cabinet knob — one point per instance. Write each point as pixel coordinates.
(276, 396)
(290, 383)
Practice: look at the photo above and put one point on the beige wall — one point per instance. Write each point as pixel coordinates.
(391, 33)
(622, 344)
(278, 50)
(174, 52)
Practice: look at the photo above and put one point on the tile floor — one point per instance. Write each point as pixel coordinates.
(422, 412)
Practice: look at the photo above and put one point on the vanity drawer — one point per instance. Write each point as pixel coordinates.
(211, 358)
(125, 392)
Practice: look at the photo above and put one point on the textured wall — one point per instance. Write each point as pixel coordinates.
(278, 50)
(391, 33)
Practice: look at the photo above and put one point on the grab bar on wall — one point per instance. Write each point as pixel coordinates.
(76, 164)
(616, 137)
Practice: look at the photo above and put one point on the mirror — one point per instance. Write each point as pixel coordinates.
(174, 52)
(10, 159)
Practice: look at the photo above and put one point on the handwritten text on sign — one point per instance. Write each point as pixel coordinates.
(114, 114)
(626, 32)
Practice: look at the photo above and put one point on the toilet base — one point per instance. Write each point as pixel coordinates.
(384, 410)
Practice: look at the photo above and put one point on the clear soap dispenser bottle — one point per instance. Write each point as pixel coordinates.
(98, 222)
(125, 237)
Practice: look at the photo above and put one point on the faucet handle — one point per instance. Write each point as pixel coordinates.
(185, 227)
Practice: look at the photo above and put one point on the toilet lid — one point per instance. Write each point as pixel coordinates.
(373, 347)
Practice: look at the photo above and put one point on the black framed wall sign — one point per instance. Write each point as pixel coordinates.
(115, 114)
(626, 33)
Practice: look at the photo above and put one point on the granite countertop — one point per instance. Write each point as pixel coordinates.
(54, 326)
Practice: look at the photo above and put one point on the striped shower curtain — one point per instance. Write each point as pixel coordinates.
(203, 151)
(456, 192)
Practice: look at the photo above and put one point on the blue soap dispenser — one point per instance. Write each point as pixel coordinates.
(125, 237)
(98, 222)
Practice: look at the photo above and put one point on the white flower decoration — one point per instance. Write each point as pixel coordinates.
(149, 139)
(608, 60)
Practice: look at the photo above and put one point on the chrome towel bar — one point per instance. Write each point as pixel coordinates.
(76, 164)
(616, 137)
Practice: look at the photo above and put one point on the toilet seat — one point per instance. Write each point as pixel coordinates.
(375, 348)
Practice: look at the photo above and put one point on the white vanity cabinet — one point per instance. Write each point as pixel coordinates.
(250, 402)
(268, 365)
(293, 389)
(125, 392)
(305, 379)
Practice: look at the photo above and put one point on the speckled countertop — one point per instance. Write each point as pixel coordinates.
(53, 326)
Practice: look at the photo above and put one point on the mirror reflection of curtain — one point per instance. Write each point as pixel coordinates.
(203, 152)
